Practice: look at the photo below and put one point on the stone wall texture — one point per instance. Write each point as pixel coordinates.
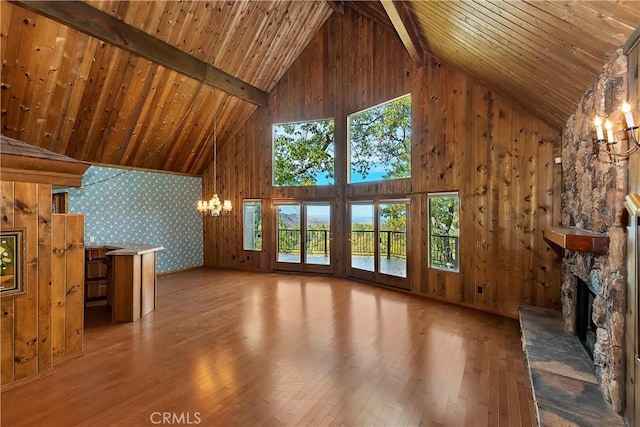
(594, 187)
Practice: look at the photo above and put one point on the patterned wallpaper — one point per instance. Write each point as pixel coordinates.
(143, 207)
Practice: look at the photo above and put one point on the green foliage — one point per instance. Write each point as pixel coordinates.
(394, 216)
(444, 231)
(381, 136)
(303, 152)
(443, 213)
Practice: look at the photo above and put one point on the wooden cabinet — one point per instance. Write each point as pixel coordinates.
(134, 290)
(122, 276)
(98, 276)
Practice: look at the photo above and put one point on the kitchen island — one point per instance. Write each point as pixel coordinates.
(132, 279)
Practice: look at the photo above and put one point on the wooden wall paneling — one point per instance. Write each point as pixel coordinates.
(26, 305)
(517, 181)
(465, 167)
(529, 210)
(7, 314)
(58, 286)
(544, 288)
(482, 104)
(555, 193)
(489, 299)
(506, 223)
(74, 289)
(465, 138)
(44, 255)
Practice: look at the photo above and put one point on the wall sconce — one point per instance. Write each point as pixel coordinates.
(609, 143)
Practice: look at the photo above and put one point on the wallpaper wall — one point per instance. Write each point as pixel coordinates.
(142, 207)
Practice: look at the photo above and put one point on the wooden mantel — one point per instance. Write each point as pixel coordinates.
(577, 239)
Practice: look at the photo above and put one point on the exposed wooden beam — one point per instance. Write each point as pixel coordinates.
(101, 25)
(633, 40)
(401, 22)
(337, 6)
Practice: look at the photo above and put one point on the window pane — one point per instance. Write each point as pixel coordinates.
(362, 236)
(393, 239)
(317, 234)
(288, 233)
(444, 231)
(252, 221)
(303, 153)
(380, 142)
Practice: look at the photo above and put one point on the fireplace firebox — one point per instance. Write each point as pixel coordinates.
(585, 328)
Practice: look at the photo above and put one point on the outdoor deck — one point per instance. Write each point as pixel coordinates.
(392, 266)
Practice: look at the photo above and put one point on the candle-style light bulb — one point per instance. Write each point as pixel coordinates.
(628, 116)
(598, 123)
(609, 127)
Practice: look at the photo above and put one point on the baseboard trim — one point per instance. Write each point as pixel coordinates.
(27, 380)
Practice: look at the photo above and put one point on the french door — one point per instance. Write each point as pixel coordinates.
(378, 241)
(303, 236)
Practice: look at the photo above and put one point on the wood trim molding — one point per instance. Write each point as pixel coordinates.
(577, 239)
(96, 23)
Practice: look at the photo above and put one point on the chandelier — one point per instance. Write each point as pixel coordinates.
(214, 206)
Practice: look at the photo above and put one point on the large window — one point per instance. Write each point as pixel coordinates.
(444, 231)
(303, 153)
(252, 225)
(380, 142)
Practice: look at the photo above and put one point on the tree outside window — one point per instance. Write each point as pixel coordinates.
(303, 153)
(444, 231)
(380, 142)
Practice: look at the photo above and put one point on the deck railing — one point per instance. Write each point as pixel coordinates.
(393, 244)
(443, 253)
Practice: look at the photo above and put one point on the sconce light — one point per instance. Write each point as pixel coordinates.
(609, 143)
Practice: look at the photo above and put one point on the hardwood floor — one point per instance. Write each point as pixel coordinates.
(234, 348)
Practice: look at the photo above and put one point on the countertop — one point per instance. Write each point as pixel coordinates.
(125, 248)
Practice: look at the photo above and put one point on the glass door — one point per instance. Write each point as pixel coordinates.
(303, 236)
(318, 240)
(378, 241)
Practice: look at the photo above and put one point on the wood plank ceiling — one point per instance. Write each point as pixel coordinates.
(542, 55)
(76, 95)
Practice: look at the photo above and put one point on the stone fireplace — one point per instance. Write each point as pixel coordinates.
(594, 187)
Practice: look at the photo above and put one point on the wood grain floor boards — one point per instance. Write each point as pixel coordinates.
(249, 349)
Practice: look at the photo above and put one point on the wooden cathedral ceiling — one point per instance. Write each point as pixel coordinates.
(74, 94)
(77, 95)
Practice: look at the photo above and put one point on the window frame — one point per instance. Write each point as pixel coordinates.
(261, 230)
(348, 140)
(443, 194)
(273, 153)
